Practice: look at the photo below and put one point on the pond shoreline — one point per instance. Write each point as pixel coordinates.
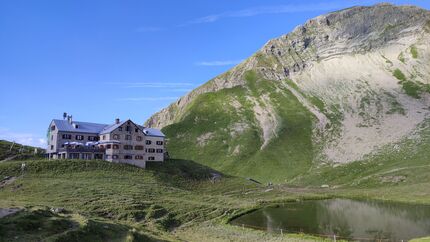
(349, 219)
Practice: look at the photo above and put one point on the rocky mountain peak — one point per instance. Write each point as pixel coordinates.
(341, 86)
(353, 30)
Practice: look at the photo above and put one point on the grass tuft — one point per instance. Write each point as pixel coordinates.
(414, 52)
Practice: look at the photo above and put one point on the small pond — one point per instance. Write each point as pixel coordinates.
(347, 219)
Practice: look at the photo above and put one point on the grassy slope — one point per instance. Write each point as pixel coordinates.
(286, 156)
(40, 224)
(150, 201)
(23, 151)
(138, 205)
(408, 161)
(413, 89)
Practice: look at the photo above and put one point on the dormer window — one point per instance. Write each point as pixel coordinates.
(53, 127)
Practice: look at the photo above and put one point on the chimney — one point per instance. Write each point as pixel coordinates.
(64, 115)
(117, 120)
(69, 119)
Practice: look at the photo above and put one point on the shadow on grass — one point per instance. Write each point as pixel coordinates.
(43, 225)
(180, 172)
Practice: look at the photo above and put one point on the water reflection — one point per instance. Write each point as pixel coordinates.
(345, 218)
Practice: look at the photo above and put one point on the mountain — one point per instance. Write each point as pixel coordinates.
(342, 87)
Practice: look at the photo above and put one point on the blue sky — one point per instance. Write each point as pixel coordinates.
(99, 60)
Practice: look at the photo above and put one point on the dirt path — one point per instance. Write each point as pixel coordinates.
(7, 180)
(9, 158)
(390, 171)
(8, 211)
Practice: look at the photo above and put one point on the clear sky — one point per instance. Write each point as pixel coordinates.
(99, 60)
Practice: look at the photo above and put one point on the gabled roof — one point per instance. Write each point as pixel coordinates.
(112, 127)
(151, 131)
(82, 127)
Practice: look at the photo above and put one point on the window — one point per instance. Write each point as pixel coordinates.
(103, 137)
(79, 137)
(62, 146)
(66, 136)
(151, 158)
(115, 147)
(128, 157)
(107, 156)
(136, 130)
(151, 150)
(159, 150)
(159, 142)
(138, 147)
(114, 156)
(52, 147)
(52, 137)
(53, 127)
(116, 136)
(127, 128)
(108, 147)
(148, 142)
(93, 138)
(101, 146)
(138, 157)
(120, 128)
(128, 147)
(128, 137)
(139, 138)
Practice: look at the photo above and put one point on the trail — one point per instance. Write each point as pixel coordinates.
(389, 171)
(9, 158)
(7, 180)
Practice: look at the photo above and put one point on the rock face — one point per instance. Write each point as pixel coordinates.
(361, 75)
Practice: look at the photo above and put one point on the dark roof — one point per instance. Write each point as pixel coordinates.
(82, 127)
(85, 127)
(153, 132)
(112, 127)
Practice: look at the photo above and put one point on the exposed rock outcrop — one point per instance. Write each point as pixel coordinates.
(344, 67)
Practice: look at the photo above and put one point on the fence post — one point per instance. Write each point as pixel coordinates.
(281, 233)
(334, 237)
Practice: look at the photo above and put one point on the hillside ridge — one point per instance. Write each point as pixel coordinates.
(338, 88)
(234, 77)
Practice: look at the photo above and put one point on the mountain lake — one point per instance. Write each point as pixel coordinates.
(361, 220)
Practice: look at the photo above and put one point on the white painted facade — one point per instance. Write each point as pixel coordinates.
(121, 142)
